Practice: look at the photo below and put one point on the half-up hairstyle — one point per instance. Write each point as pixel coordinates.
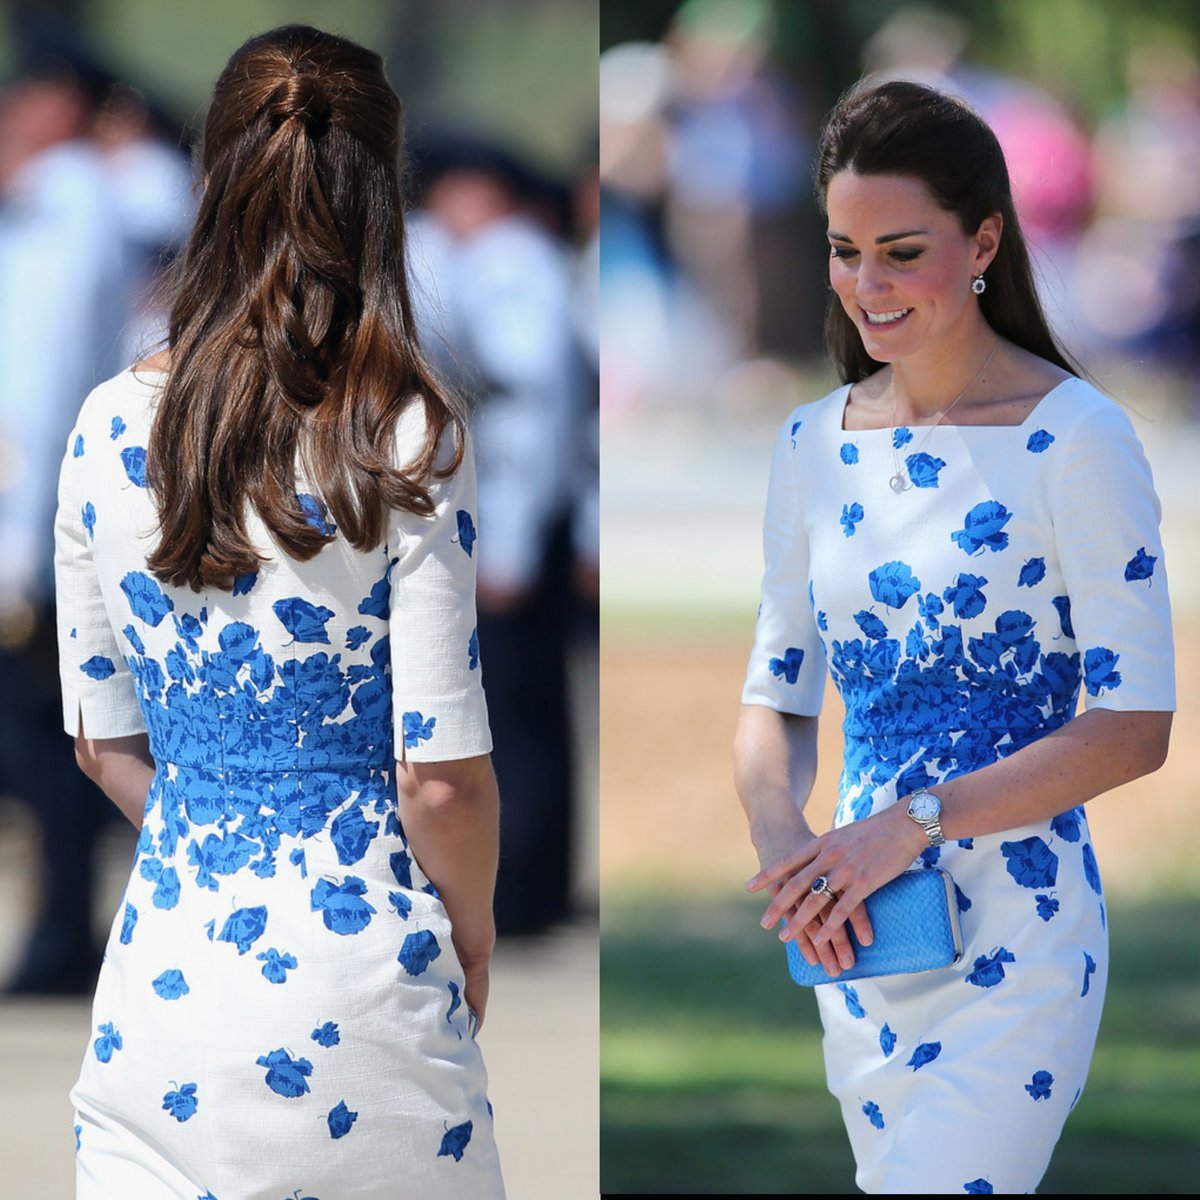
(901, 128)
(291, 331)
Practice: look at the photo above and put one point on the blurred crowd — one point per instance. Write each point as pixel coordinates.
(96, 196)
(713, 249)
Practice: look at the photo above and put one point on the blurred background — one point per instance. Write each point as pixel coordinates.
(713, 286)
(100, 103)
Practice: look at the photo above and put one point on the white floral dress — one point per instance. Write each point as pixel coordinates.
(959, 620)
(280, 1012)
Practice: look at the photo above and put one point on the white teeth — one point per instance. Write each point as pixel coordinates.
(886, 318)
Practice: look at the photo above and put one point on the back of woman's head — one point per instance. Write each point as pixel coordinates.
(291, 330)
(903, 128)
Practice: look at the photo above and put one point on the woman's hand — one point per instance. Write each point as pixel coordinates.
(476, 991)
(855, 860)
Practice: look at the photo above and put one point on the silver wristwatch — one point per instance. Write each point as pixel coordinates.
(926, 809)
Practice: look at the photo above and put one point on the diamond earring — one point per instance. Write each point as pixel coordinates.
(978, 285)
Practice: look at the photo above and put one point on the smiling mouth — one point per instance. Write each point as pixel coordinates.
(886, 318)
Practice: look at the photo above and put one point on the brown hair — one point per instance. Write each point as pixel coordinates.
(901, 128)
(291, 331)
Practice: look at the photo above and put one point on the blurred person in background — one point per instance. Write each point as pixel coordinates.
(495, 293)
(983, 572)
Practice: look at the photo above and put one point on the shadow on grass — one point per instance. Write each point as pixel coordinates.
(712, 1080)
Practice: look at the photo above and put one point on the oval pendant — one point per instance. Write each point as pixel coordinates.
(899, 482)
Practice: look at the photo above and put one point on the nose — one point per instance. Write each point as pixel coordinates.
(871, 282)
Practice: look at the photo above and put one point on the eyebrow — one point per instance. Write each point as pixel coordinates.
(879, 241)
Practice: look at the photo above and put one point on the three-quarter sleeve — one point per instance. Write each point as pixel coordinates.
(1106, 531)
(98, 694)
(787, 664)
(440, 712)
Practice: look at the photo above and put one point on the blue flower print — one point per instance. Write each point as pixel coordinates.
(108, 1042)
(893, 583)
(286, 1076)
(401, 866)
(923, 469)
(794, 430)
(147, 601)
(377, 603)
(118, 428)
(989, 968)
(788, 667)
(1039, 440)
(1140, 566)
(961, 899)
(276, 965)
(181, 1104)
(77, 449)
(983, 526)
(978, 1187)
(1031, 862)
(400, 904)
(466, 530)
(1047, 906)
(170, 985)
(924, 1054)
(851, 515)
(78, 1131)
(849, 453)
(1099, 670)
(1034, 571)
(901, 437)
(242, 584)
(98, 667)
(128, 921)
(872, 1113)
(326, 1034)
(966, 596)
(303, 620)
(1062, 605)
(351, 834)
(1089, 969)
(850, 995)
(315, 515)
(870, 624)
(133, 459)
(342, 906)
(1039, 1086)
(243, 927)
(419, 950)
(417, 729)
(473, 650)
(134, 639)
(455, 999)
(356, 636)
(1066, 825)
(887, 1041)
(454, 1141)
(1090, 871)
(822, 623)
(340, 1120)
(166, 881)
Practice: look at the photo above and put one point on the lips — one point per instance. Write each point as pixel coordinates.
(875, 320)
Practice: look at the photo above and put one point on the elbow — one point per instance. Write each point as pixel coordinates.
(1157, 742)
(1147, 743)
(86, 759)
(445, 787)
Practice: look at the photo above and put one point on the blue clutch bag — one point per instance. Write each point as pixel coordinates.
(915, 921)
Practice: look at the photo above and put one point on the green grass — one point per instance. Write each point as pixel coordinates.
(712, 1080)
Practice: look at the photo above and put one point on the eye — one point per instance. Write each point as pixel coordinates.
(907, 255)
(842, 252)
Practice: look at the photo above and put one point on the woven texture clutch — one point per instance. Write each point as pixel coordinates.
(915, 920)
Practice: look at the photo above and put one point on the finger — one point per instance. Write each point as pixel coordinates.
(839, 945)
(860, 922)
(828, 953)
(778, 871)
(837, 916)
(803, 942)
(796, 893)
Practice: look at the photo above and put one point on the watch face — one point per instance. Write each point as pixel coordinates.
(925, 806)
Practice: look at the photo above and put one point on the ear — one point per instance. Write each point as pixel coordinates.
(987, 242)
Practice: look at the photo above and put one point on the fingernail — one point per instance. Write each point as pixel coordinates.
(767, 921)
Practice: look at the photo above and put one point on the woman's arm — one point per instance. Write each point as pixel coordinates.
(1097, 751)
(775, 764)
(121, 767)
(450, 812)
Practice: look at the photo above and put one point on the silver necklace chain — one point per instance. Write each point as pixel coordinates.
(900, 481)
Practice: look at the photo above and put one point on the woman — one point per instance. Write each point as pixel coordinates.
(266, 598)
(965, 531)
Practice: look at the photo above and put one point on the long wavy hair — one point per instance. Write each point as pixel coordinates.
(291, 331)
(901, 128)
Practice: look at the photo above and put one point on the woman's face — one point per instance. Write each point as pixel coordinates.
(902, 266)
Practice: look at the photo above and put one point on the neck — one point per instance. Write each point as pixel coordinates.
(925, 385)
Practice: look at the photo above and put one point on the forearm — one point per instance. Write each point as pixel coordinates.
(775, 766)
(122, 768)
(451, 817)
(1092, 754)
